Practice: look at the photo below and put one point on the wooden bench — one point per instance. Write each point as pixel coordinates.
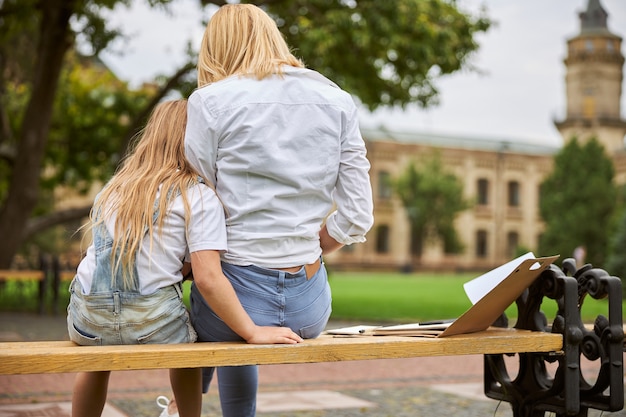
(532, 392)
(49, 278)
(55, 357)
(22, 275)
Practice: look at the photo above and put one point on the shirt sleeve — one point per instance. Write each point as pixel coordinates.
(207, 224)
(200, 143)
(353, 217)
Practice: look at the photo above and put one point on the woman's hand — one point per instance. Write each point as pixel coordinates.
(263, 335)
(327, 243)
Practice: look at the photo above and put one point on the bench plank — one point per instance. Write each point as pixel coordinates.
(56, 357)
(21, 275)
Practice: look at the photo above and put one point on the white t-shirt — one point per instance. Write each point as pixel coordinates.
(161, 267)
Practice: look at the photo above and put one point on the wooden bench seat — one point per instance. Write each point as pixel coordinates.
(22, 275)
(55, 357)
(48, 283)
(532, 391)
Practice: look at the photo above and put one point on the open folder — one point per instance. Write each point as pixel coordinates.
(491, 294)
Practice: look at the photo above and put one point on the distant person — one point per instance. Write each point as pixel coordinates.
(282, 145)
(152, 215)
(579, 255)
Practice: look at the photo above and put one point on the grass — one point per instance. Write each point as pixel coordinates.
(23, 296)
(395, 297)
(357, 296)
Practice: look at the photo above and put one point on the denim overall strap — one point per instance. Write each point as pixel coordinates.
(105, 280)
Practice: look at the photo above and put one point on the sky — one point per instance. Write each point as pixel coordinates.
(516, 94)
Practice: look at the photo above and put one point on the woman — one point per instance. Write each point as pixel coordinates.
(282, 145)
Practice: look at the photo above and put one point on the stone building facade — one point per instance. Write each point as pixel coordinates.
(501, 178)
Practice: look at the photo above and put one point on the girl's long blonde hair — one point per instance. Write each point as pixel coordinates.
(242, 39)
(157, 160)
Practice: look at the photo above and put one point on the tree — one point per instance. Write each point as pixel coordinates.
(577, 202)
(43, 32)
(399, 49)
(384, 52)
(432, 198)
(616, 260)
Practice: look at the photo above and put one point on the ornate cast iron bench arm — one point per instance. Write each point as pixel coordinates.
(566, 391)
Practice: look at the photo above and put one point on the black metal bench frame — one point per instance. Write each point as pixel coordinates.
(534, 390)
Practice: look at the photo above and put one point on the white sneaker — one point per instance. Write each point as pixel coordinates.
(164, 402)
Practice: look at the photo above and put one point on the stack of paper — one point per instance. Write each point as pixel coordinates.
(490, 294)
(426, 329)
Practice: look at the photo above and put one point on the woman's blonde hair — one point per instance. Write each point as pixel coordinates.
(242, 39)
(156, 161)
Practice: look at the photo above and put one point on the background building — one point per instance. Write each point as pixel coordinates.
(502, 178)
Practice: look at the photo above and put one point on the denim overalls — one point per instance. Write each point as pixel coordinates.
(113, 315)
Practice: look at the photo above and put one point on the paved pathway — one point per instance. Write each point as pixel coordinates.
(376, 388)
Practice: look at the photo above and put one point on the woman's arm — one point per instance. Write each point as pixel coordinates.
(327, 243)
(220, 295)
(353, 216)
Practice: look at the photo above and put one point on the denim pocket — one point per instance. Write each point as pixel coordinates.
(82, 338)
(313, 330)
(178, 330)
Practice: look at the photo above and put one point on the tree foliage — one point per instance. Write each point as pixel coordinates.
(46, 116)
(577, 202)
(64, 122)
(85, 146)
(384, 52)
(432, 197)
(616, 260)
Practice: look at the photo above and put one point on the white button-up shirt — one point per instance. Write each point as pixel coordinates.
(286, 154)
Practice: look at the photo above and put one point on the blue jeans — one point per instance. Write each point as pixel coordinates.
(271, 298)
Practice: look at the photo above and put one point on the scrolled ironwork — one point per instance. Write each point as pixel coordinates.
(568, 392)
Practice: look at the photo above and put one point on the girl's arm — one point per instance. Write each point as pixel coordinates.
(220, 295)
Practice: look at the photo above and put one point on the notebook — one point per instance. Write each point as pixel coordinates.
(491, 294)
(488, 308)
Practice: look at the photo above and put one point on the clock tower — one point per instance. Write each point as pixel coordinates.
(593, 82)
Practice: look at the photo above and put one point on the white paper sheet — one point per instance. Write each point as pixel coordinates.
(352, 330)
(480, 286)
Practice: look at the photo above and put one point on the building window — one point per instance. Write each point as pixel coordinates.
(514, 198)
(589, 45)
(589, 106)
(483, 192)
(384, 185)
(512, 242)
(481, 244)
(382, 239)
(609, 46)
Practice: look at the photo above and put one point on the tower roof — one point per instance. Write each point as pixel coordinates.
(594, 18)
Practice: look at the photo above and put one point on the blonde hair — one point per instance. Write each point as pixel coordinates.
(242, 39)
(157, 160)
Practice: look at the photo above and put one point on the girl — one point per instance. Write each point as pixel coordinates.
(152, 215)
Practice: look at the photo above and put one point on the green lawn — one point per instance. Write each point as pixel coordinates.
(395, 297)
(357, 296)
